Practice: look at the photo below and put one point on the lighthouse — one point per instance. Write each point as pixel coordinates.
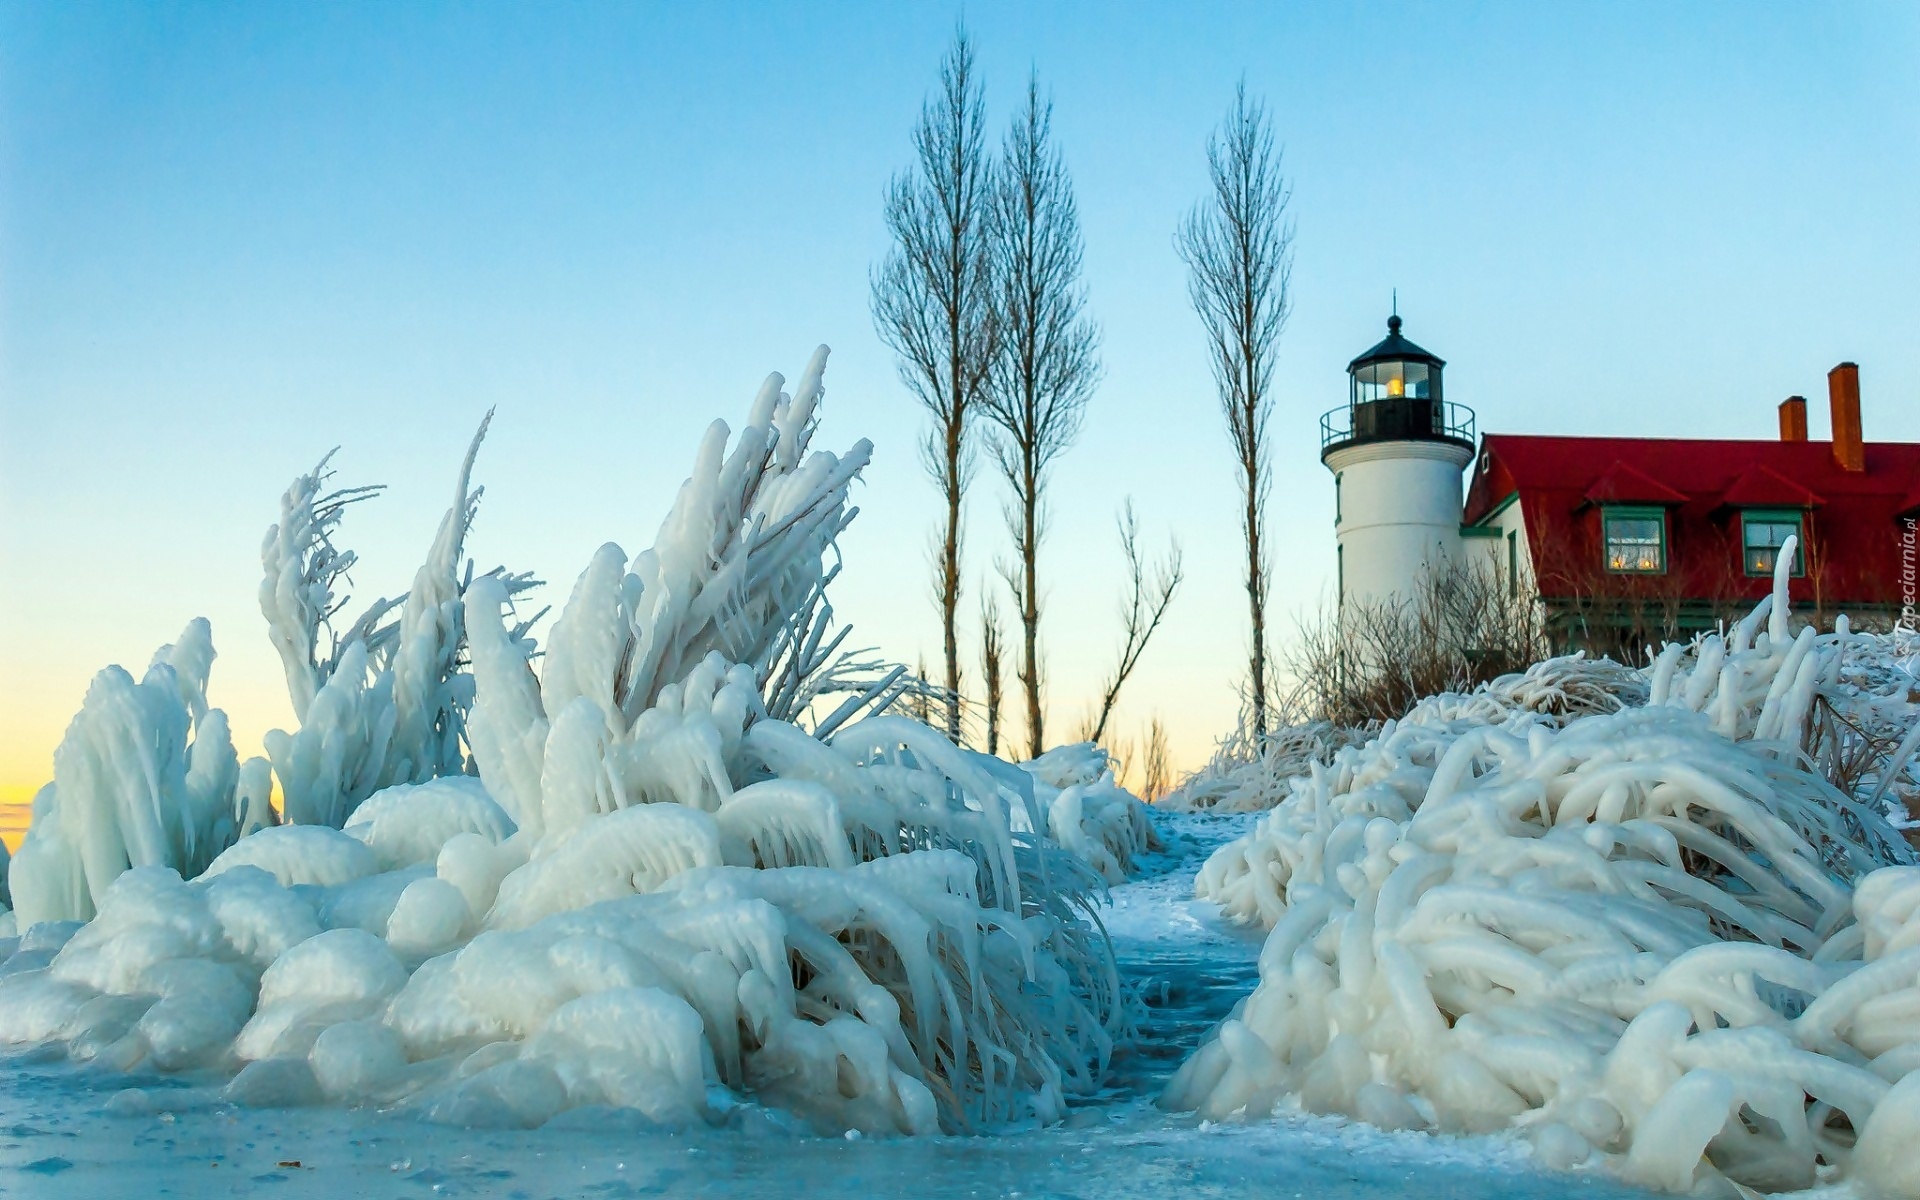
(1396, 450)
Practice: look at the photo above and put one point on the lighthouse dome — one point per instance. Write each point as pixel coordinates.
(1395, 395)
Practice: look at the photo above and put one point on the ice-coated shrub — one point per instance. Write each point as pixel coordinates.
(667, 888)
(1087, 813)
(1250, 773)
(1649, 937)
(146, 775)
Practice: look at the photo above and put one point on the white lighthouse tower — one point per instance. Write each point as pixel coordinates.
(1396, 450)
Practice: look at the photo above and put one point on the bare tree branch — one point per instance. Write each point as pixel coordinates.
(993, 661)
(1047, 365)
(1149, 593)
(1238, 247)
(932, 305)
(1368, 661)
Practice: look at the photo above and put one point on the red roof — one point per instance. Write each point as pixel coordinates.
(1621, 483)
(1761, 487)
(1853, 522)
(1910, 506)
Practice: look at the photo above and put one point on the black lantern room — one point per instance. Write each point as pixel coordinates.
(1395, 396)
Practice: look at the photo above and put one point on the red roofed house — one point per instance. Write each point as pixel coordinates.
(1624, 540)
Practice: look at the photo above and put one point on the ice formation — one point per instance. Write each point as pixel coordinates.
(387, 704)
(642, 869)
(1647, 937)
(145, 776)
(1087, 812)
(1252, 775)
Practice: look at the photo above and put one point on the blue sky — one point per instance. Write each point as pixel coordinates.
(232, 237)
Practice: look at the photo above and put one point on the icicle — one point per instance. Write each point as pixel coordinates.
(1778, 630)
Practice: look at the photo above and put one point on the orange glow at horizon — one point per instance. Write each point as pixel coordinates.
(16, 808)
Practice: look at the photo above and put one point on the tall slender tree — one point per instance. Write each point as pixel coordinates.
(932, 305)
(1047, 366)
(1237, 244)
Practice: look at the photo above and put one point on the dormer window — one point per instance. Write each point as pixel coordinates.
(1763, 532)
(1636, 540)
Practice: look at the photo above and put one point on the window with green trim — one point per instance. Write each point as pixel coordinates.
(1513, 562)
(1336, 499)
(1763, 532)
(1636, 540)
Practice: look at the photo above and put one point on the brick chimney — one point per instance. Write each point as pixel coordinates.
(1793, 419)
(1843, 390)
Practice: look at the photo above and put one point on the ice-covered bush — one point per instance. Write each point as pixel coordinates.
(1250, 773)
(1862, 733)
(145, 776)
(1089, 814)
(1648, 936)
(670, 886)
(387, 703)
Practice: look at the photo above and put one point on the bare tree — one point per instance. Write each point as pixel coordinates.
(992, 661)
(1149, 593)
(1157, 762)
(1238, 247)
(932, 305)
(1047, 365)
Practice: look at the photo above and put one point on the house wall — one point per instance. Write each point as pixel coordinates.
(1499, 544)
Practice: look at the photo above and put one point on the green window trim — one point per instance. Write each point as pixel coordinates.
(1633, 539)
(1513, 562)
(1763, 531)
(1336, 497)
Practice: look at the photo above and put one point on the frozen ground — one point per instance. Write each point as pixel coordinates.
(67, 1131)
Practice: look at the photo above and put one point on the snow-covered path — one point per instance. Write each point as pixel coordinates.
(66, 1131)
